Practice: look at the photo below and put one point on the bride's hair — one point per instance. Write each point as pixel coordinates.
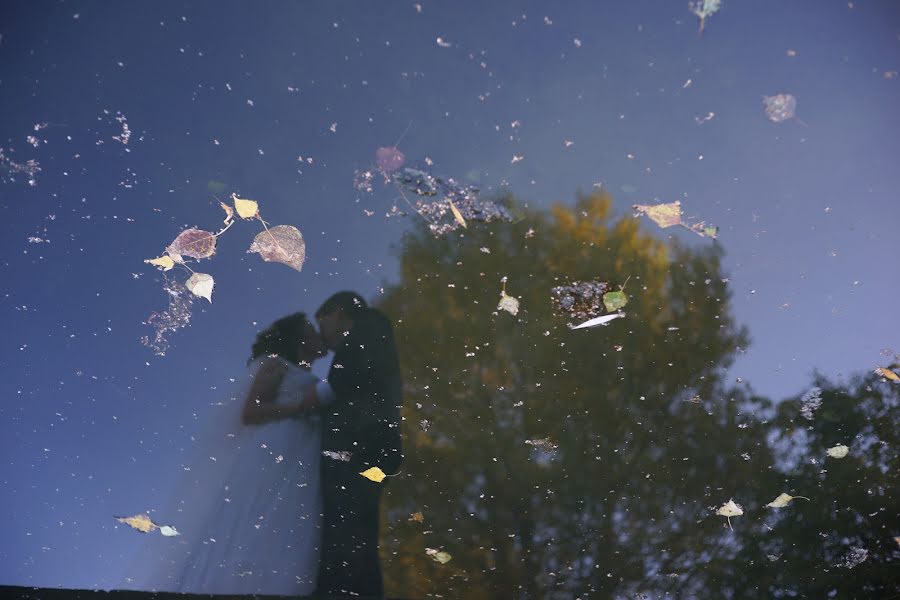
(282, 338)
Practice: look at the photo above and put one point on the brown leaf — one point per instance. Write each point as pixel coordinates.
(282, 243)
(664, 215)
(140, 522)
(418, 517)
(195, 243)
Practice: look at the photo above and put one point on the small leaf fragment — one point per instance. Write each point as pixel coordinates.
(201, 284)
(195, 243)
(438, 555)
(664, 215)
(783, 500)
(246, 209)
(508, 303)
(457, 215)
(140, 522)
(418, 517)
(374, 474)
(164, 262)
(839, 451)
(283, 244)
(229, 213)
(613, 301)
(168, 531)
(887, 374)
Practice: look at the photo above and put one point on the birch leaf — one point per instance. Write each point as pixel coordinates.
(783, 500)
(728, 510)
(229, 213)
(246, 209)
(613, 301)
(664, 215)
(283, 244)
(374, 474)
(508, 303)
(164, 262)
(887, 374)
(140, 522)
(195, 243)
(604, 320)
(201, 284)
(168, 531)
(839, 451)
(457, 215)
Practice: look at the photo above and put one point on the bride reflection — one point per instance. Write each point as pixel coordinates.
(249, 506)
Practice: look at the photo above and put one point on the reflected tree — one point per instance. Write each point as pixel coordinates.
(647, 443)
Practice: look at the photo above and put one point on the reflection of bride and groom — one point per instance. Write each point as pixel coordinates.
(287, 512)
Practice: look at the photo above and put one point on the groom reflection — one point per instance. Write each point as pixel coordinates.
(361, 418)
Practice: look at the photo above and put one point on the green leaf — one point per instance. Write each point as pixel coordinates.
(613, 301)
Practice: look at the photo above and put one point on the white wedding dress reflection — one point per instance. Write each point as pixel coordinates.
(248, 510)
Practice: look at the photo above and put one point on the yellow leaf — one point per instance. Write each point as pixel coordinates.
(438, 555)
(418, 517)
(140, 522)
(782, 500)
(374, 474)
(664, 215)
(165, 262)
(246, 209)
(887, 374)
(456, 214)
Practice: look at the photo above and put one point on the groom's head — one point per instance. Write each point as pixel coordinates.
(337, 314)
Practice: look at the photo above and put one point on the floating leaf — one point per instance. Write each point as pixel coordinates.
(374, 474)
(783, 500)
(887, 374)
(140, 522)
(704, 9)
(704, 230)
(246, 209)
(728, 510)
(168, 531)
(839, 451)
(508, 303)
(283, 244)
(664, 215)
(614, 300)
(201, 284)
(164, 262)
(418, 517)
(195, 243)
(456, 214)
(343, 455)
(438, 555)
(229, 213)
(604, 320)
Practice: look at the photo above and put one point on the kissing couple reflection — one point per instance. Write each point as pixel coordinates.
(291, 514)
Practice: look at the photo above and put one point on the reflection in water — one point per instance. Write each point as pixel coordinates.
(625, 503)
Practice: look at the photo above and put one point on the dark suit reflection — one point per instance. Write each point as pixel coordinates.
(364, 420)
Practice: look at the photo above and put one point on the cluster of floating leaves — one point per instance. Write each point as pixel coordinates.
(853, 558)
(282, 243)
(810, 403)
(175, 317)
(780, 107)
(579, 300)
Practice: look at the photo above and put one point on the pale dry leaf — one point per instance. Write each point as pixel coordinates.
(201, 284)
(169, 531)
(438, 555)
(246, 209)
(664, 215)
(374, 474)
(783, 500)
(418, 517)
(164, 262)
(140, 522)
(457, 215)
(604, 320)
(728, 510)
(195, 243)
(229, 212)
(508, 303)
(887, 374)
(839, 451)
(283, 244)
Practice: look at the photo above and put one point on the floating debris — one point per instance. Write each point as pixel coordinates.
(178, 315)
(599, 321)
(543, 444)
(389, 159)
(853, 558)
(343, 455)
(579, 300)
(839, 451)
(780, 107)
(704, 9)
(669, 215)
(438, 555)
(810, 403)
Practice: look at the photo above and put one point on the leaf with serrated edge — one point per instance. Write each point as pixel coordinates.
(195, 243)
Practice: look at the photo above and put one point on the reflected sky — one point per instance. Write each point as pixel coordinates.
(286, 103)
